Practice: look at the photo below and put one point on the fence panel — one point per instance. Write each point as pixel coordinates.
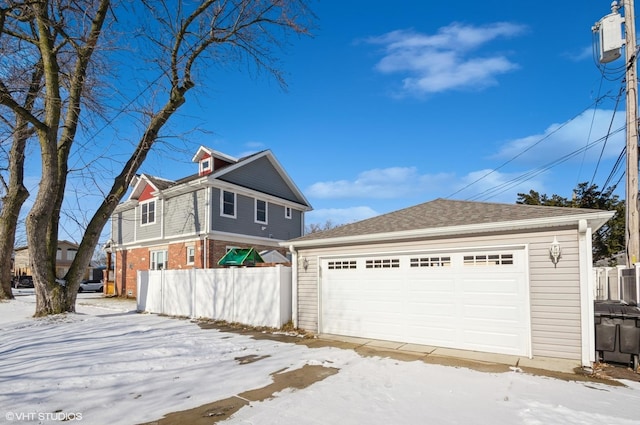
(259, 296)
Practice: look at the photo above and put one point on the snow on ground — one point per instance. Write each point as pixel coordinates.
(107, 364)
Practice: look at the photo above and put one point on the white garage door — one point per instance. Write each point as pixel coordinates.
(466, 300)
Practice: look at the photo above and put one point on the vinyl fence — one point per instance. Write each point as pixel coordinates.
(256, 296)
(617, 283)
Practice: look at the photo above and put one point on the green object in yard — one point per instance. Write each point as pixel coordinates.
(241, 257)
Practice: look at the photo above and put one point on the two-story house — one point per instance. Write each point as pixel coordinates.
(247, 202)
(64, 257)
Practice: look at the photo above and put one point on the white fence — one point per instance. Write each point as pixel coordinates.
(257, 296)
(617, 283)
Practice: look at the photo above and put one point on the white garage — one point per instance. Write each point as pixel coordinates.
(456, 274)
(475, 300)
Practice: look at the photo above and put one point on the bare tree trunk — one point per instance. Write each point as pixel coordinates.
(17, 193)
(180, 40)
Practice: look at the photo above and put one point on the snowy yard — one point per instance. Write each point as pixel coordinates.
(109, 365)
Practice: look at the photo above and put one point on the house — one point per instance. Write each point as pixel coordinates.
(229, 203)
(509, 279)
(64, 257)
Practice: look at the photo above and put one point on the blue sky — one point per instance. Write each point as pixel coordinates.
(391, 104)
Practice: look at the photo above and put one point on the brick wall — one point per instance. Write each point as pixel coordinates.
(130, 261)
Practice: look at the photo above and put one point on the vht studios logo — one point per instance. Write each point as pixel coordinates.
(43, 416)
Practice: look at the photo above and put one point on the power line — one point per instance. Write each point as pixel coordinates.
(528, 148)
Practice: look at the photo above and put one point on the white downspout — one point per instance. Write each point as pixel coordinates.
(294, 286)
(586, 294)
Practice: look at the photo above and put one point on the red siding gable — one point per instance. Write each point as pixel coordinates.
(146, 193)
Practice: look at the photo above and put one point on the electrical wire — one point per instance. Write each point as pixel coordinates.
(604, 145)
(527, 149)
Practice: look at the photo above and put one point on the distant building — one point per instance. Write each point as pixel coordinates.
(64, 257)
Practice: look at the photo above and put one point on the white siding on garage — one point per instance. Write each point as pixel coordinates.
(554, 293)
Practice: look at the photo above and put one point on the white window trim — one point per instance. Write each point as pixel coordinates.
(235, 204)
(155, 212)
(266, 211)
(191, 259)
(288, 213)
(153, 256)
(209, 166)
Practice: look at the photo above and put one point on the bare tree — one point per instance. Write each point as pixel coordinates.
(23, 79)
(317, 227)
(64, 35)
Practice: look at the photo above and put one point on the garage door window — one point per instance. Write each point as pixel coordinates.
(341, 265)
(430, 262)
(383, 263)
(488, 260)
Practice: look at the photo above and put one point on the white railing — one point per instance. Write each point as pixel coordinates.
(256, 296)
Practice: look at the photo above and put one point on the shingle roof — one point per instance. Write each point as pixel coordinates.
(442, 213)
(159, 182)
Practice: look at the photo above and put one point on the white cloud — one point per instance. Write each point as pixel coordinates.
(340, 215)
(379, 183)
(444, 61)
(495, 186)
(569, 138)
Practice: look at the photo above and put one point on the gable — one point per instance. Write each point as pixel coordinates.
(146, 193)
(261, 175)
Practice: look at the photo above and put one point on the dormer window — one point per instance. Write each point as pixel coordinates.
(205, 166)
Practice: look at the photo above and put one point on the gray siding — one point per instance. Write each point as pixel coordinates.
(185, 214)
(277, 227)
(123, 225)
(261, 176)
(149, 231)
(554, 292)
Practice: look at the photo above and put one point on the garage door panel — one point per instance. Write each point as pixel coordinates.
(462, 305)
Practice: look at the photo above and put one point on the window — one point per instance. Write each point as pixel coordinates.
(71, 254)
(261, 211)
(386, 263)
(59, 254)
(287, 212)
(191, 255)
(430, 262)
(488, 260)
(148, 212)
(205, 165)
(158, 260)
(228, 204)
(338, 265)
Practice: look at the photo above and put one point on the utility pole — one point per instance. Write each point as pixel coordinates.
(632, 219)
(609, 30)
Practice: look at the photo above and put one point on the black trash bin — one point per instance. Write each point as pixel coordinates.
(617, 332)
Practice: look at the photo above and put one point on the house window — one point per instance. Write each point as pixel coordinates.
(71, 254)
(228, 204)
(158, 260)
(148, 212)
(261, 211)
(191, 255)
(287, 212)
(59, 254)
(205, 165)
